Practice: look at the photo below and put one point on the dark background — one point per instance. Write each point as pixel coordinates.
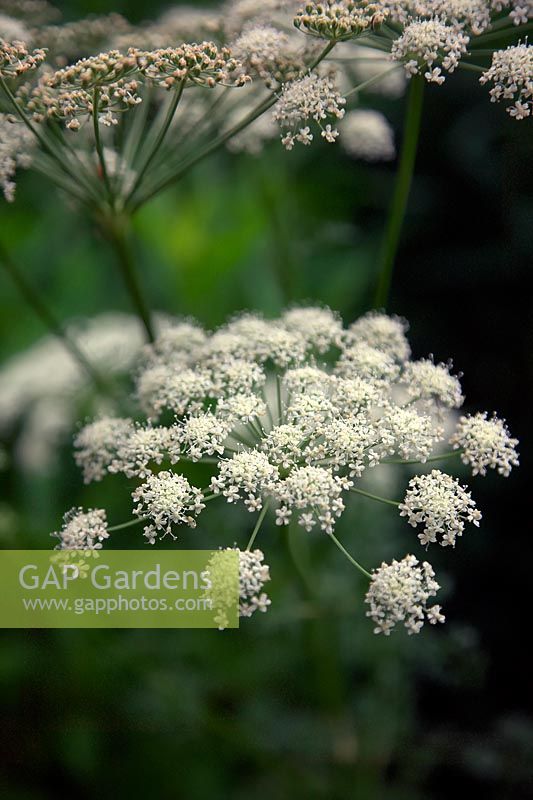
(268, 711)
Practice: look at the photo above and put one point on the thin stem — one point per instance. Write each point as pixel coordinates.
(221, 140)
(48, 318)
(160, 136)
(401, 190)
(498, 34)
(118, 237)
(129, 524)
(99, 146)
(441, 457)
(471, 67)
(371, 81)
(349, 557)
(81, 168)
(258, 525)
(36, 132)
(376, 497)
(280, 404)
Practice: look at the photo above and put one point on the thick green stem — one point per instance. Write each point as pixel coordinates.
(116, 231)
(401, 190)
(48, 318)
(321, 635)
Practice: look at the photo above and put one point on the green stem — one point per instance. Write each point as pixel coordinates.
(36, 132)
(321, 634)
(118, 236)
(471, 67)
(375, 497)
(371, 81)
(401, 190)
(100, 148)
(160, 137)
(511, 30)
(258, 525)
(280, 404)
(129, 524)
(427, 461)
(348, 556)
(48, 318)
(221, 140)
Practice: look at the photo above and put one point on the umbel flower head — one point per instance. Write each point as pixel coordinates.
(269, 53)
(17, 60)
(339, 21)
(82, 530)
(399, 593)
(511, 72)
(439, 503)
(430, 45)
(225, 568)
(486, 443)
(309, 99)
(289, 414)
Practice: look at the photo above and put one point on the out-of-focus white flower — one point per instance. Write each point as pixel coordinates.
(366, 134)
(16, 150)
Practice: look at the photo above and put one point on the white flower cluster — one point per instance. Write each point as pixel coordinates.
(473, 15)
(269, 53)
(511, 72)
(82, 530)
(366, 134)
(426, 42)
(290, 413)
(16, 146)
(167, 498)
(252, 575)
(399, 592)
(521, 10)
(485, 443)
(439, 503)
(311, 98)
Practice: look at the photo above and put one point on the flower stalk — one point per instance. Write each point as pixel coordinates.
(402, 188)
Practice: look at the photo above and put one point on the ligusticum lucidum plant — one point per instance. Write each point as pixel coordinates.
(290, 414)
